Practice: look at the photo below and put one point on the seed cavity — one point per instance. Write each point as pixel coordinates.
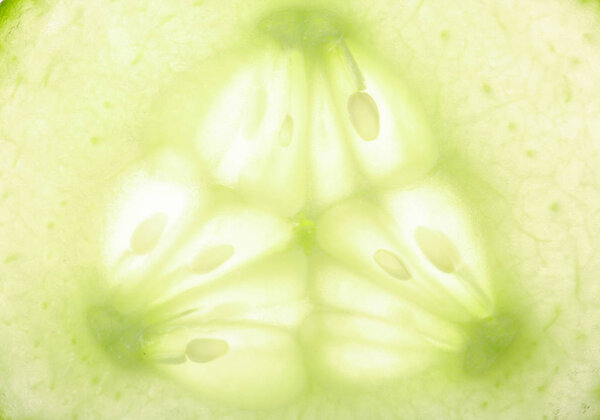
(364, 115)
(286, 131)
(203, 350)
(146, 235)
(438, 249)
(391, 264)
(211, 258)
(256, 113)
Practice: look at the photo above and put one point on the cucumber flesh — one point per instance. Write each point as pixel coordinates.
(295, 213)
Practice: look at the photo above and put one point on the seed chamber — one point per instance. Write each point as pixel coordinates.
(301, 238)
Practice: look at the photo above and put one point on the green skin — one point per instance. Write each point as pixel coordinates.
(144, 273)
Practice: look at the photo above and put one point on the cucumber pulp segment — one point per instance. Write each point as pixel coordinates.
(329, 259)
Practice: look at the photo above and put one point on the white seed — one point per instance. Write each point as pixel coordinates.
(211, 258)
(286, 131)
(146, 235)
(364, 115)
(203, 350)
(438, 249)
(391, 264)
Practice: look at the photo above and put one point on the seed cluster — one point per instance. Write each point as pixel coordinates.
(330, 258)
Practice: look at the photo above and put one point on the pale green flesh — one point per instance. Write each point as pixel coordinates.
(311, 221)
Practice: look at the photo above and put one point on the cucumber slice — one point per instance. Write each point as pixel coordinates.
(335, 210)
